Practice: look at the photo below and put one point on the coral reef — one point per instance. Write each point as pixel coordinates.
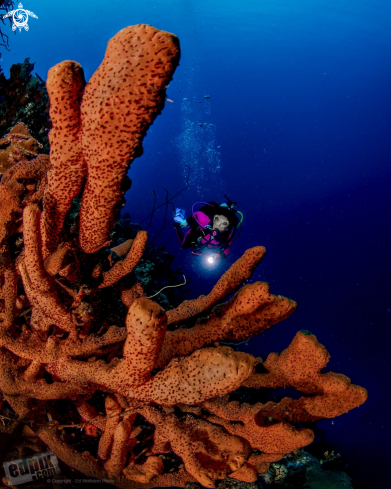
(299, 469)
(152, 390)
(24, 98)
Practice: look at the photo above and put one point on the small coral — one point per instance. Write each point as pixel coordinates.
(280, 472)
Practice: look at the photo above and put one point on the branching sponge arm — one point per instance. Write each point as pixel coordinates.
(239, 273)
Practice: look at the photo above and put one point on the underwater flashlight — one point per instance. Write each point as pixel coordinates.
(210, 259)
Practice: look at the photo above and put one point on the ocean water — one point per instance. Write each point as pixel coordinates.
(284, 106)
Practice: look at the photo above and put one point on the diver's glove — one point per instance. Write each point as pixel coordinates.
(183, 223)
(179, 215)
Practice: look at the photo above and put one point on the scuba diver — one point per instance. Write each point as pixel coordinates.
(210, 229)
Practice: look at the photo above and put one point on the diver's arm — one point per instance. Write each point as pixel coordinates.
(192, 223)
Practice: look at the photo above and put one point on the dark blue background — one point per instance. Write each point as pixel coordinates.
(300, 107)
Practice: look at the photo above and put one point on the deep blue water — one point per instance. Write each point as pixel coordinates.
(300, 111)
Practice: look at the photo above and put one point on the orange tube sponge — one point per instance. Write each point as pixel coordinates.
(32, 249)
(123, 248)
(128, 296)
(84, 462)
(122, 268)
(12, 383)
(144, 473)
(146, 324)
(89, 413)
(113, 410)
(205, 465)
(121, 100)
(239, 273)
(177, 381)
(65, 84)
(117, 461)
(208, 451)
(246, 473)
(252, 310)
(32, 347)
(88, 465)
(299, 367)
(9, 294)
(55, 262)
(243, 420)
(10, 211)
(206, 373)
(37, 282)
